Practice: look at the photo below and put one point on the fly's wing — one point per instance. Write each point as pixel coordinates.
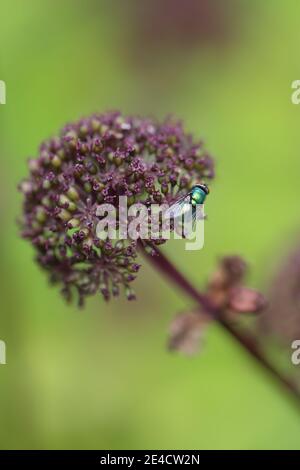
(198, 214)
(191, 216)
(176, 209)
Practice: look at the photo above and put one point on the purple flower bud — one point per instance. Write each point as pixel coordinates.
(245, 300)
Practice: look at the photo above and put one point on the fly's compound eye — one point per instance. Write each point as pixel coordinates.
(204, 187)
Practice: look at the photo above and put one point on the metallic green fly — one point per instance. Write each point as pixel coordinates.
(190, 205)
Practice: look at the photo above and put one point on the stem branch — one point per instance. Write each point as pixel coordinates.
(245, 339)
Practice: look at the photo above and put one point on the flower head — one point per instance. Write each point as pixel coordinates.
(167, 24)
(282, 318)
(92, 161)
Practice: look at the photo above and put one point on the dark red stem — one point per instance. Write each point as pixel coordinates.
(245, 339)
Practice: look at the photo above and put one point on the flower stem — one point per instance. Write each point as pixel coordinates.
(247, 340)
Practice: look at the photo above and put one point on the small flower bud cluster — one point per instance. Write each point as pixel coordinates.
(226, 289)
(227, 295)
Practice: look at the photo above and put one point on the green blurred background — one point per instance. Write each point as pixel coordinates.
(101, 377)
